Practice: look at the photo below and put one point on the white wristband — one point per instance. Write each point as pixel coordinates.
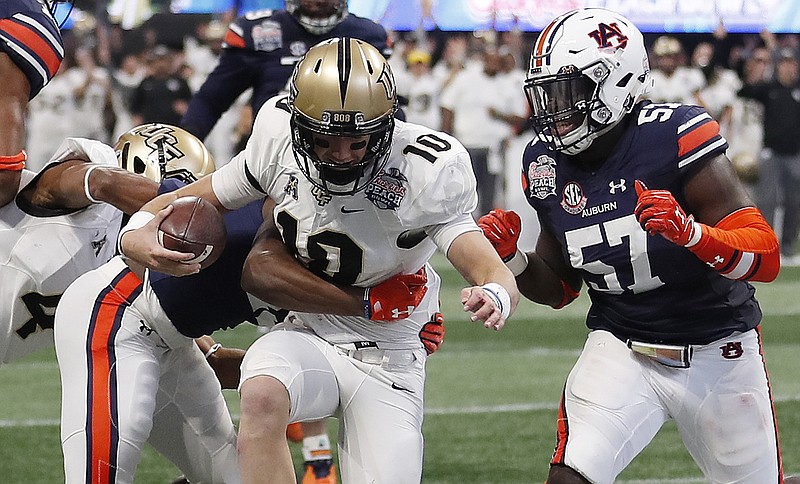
(499, 296)
(86, 190)
(518, 263)
(214, 348)
(137, 220)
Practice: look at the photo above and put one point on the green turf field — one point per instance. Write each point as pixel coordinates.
(491, 398)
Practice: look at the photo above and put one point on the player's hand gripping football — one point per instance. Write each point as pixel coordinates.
(659, 213)
(141, 246)
(395, 298)
(432, 333)
(502, 228)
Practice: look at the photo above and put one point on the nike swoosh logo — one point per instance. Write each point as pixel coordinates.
(411, 238)
(395, 386)
(351, 210)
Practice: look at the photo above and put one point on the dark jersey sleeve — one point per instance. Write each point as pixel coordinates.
(30, 36)
(260, 52)
(213, 298)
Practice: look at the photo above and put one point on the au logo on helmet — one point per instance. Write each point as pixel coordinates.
(605, 33)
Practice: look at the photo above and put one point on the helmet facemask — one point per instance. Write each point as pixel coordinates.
(567, 112)
(333, 16)
(336, 178)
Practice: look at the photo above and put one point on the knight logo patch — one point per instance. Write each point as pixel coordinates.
(267, 36)
(542, 177)
(291, 187)
(573, 201)
(387, 190)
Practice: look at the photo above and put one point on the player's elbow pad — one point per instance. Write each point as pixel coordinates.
(741, 246)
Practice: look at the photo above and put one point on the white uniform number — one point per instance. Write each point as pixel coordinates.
(613, 233)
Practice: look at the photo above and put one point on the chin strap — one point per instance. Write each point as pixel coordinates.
(741, 246)
(14, 162)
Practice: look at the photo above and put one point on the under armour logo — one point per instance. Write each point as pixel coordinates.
(97, 245)
(397, 312)
(143, 328)
(717, 260)
(613, 187)
(732, 350)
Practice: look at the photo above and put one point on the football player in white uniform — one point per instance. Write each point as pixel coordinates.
(360, 200)
(53, 232)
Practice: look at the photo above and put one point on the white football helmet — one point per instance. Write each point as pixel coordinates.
(319, 16)
(588, 69)
(159, 151)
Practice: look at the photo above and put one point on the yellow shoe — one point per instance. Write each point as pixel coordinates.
(294, 432)
(320, 472)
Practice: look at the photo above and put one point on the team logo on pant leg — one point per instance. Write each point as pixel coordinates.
(732, 350)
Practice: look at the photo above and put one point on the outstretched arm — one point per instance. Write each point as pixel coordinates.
(494, 295)
(75, 184)
(543, 276)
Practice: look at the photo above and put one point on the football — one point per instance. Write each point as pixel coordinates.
(195, 226)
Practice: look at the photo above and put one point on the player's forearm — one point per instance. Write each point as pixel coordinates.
(103, 185)
(540, 283)
(273, 275)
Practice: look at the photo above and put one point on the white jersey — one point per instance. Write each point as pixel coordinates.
(41, 255)
(423, 199)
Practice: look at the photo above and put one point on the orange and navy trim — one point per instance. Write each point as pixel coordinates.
(542, 48)
(772, 406)
(562, 433)
(698, 138)
(36, 46)
(102, 419)
(233, 39)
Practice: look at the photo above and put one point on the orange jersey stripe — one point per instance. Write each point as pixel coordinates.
(35, 42)
(234, 40)
(697, 137)
(102, 426)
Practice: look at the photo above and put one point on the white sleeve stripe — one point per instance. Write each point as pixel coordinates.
(743, 267)
(31, 60)
(692, 122)
(54, 43)
(721, 141)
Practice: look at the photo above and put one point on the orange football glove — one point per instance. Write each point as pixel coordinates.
(432, 333)
(502, 228)
(395, 298)
(659, 213)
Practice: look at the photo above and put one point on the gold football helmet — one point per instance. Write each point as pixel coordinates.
(342, 87)
(160, 151)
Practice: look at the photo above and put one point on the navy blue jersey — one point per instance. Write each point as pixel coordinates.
(30, 36)
(213, 298)
(642, 287)
(260, 51)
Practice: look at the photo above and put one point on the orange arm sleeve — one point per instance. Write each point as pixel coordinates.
(741, 246)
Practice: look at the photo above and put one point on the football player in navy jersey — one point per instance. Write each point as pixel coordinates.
(31, 52)
(261, 49)
(639, 202)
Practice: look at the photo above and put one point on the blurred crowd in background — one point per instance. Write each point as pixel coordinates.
(466, 83)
